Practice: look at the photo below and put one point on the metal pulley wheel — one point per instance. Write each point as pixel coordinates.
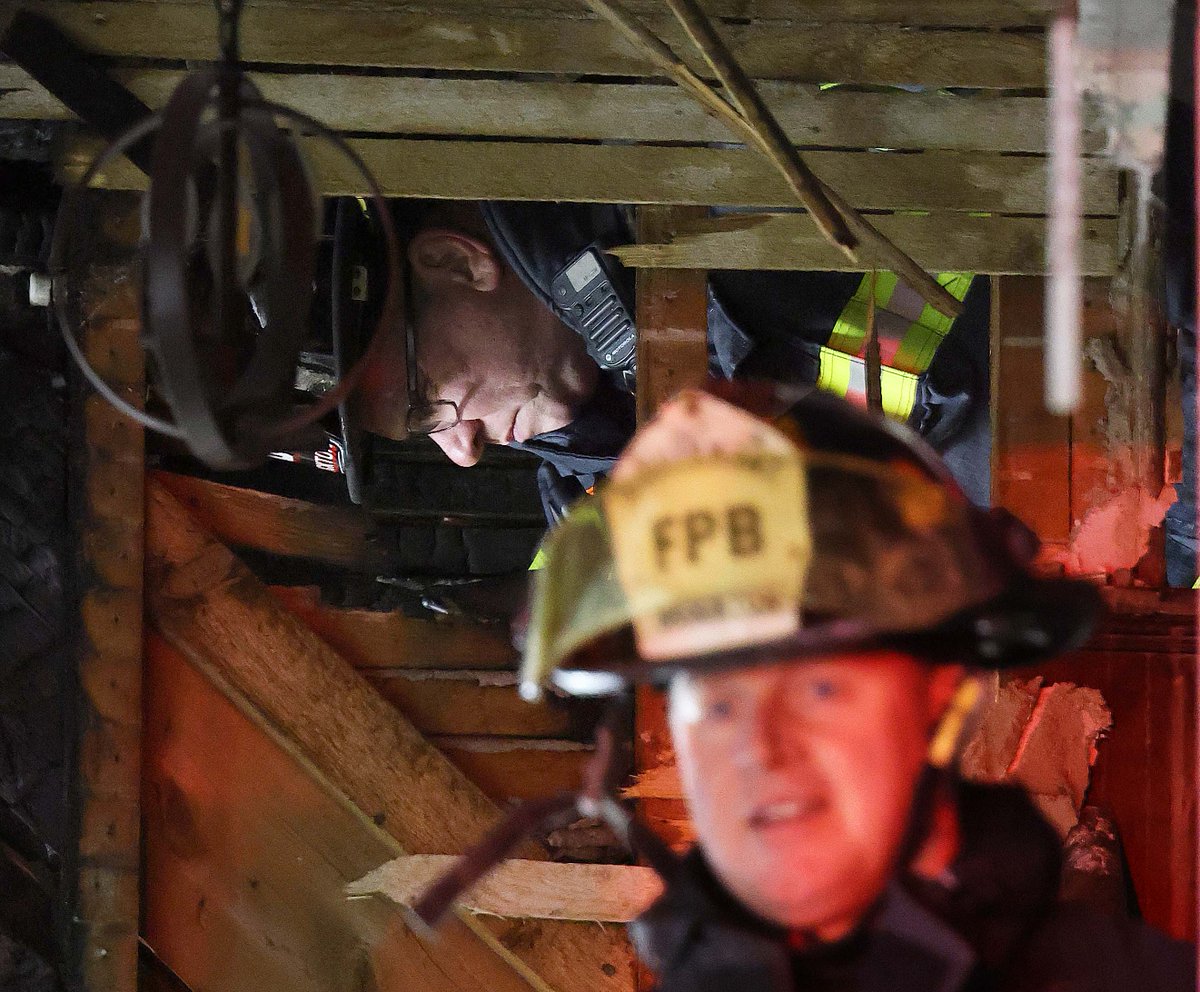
(229, 255)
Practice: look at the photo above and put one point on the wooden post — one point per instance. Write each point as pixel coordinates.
(672, 322)
(672, 317)
(109, 510)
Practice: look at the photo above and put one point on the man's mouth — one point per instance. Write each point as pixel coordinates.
(786, 811)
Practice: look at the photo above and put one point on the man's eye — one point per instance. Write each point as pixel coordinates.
(719, 709)
(823, 690)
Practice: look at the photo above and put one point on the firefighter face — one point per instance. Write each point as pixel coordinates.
(800, 776)
(486, 343)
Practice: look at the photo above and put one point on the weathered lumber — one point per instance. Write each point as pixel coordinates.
(672, 318)
(484, 40)
(248, 848)
(940, 243)
(108, 785)
(672, 324)
(471, 170)
(499, 108)
(538, 889)
(290, 527)
(464, 702)
(959, 13)
(741, 107)
(379, 640)
(210, 607)
(508, 768)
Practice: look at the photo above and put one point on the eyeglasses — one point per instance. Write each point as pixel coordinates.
(424, 416)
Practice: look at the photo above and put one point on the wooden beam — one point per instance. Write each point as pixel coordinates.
(209, 606)
(956, 13)
(248, 849)
(106, 905)
(508, 768)
(496, 108)
(672, 318)
(291, 527)
(484, 40)
(375, 640)
(538, 889)
(465, 702)
(481, 170)
(940, 243)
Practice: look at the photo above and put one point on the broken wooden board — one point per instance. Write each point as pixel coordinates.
(515, 888)
(1043, 737)
(210, 607)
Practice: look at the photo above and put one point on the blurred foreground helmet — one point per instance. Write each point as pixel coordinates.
(728, 536)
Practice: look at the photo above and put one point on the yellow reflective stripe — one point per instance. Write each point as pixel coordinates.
(850, 331)
(845, 375)
(835, 372)
(924, 335)
(539, 560)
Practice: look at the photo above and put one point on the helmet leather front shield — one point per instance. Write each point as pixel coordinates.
(688, 564)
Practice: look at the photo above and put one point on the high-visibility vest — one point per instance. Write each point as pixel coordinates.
(909, 332)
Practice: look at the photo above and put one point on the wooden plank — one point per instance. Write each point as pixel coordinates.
(500, 170)
(672, 322)
(247, 855)
(538, 889)
(248, 518)
(374, 639)
(483, 40)
(208, 605)
(938, 243)
(110, 536)
(959, 13)
(478, 703)
(653, 112)
(517, 768)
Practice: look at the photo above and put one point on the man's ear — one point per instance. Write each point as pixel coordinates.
(441, 257)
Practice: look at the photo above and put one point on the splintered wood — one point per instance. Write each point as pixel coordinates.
(1044, 738)
(531, 889)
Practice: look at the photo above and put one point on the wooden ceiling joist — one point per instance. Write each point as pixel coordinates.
(209, 607)
(536, 99)
(476, 37)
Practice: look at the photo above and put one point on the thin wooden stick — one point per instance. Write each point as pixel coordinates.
(772, 144)
(885, 251)
(769, 135)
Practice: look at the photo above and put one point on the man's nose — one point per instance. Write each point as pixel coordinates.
(762, 741)
(463, 443)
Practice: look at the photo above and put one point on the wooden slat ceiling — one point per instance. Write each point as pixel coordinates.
(537, 99)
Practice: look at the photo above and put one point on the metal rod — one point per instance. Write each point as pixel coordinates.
(1064, 296)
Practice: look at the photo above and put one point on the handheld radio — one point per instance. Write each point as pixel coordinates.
(588, 299)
